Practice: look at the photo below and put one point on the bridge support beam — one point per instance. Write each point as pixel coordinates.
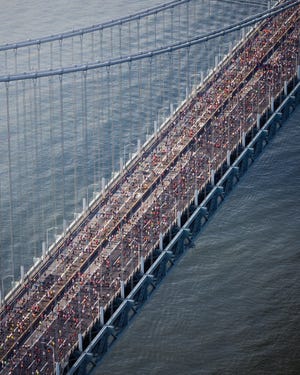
(161, 243)
(285, 88)
(228, 158)
(196, 197)
(244, 139)
(122, 289)
(212, 177)
(272, 104)
(258, 117)
(101, 313)
(80, 342)
(142, 265)
(179, 219)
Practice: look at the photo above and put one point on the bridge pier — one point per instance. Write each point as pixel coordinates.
(272, 104)
(122, 289)
(196, 197)
(101, 313)
(80, 343)
(228, 158)
(161, 243)
(142, 265)
(212, 177)
(244, 139)
(285, 88)
(258, 117)
(179, 214)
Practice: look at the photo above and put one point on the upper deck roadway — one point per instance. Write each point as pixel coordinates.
(40, 323)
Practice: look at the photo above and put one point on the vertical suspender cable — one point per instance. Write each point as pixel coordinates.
(40, 129)
(51, 55)
(99, 122)
(187, 70)
(112, 115)
(81, 48)
(171, 78)
(38, 46)
(61, 100)
(187, 21)
(20, 195)
(93, 148)
(10, 182)
(109, 116)
(140, 121)
(164, 27)
(5, 62)
(93, 46)
(150, 92)
(37, 202)
(121, 109)
(111, 43)
(147, 32)
(85, 132)
(29, 59)
(52, 146)
(138, 35)
(72, 51)
(178, 30)
(129, 38)
(102, 95)
(155, 31)
(75, 130)
(194, 13)
(130, 106)
(60, 51)
(120, 39)
(179, 76)
(16, 59)
(25, 186)
(101, 44)
(172, 19)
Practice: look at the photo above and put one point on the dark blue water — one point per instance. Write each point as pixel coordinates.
(231, 305)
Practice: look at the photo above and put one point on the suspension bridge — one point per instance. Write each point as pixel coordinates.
(126, 155)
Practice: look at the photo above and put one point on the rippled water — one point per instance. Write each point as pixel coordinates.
(231, 305)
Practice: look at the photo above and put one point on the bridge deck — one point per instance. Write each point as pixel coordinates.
(41, 322)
